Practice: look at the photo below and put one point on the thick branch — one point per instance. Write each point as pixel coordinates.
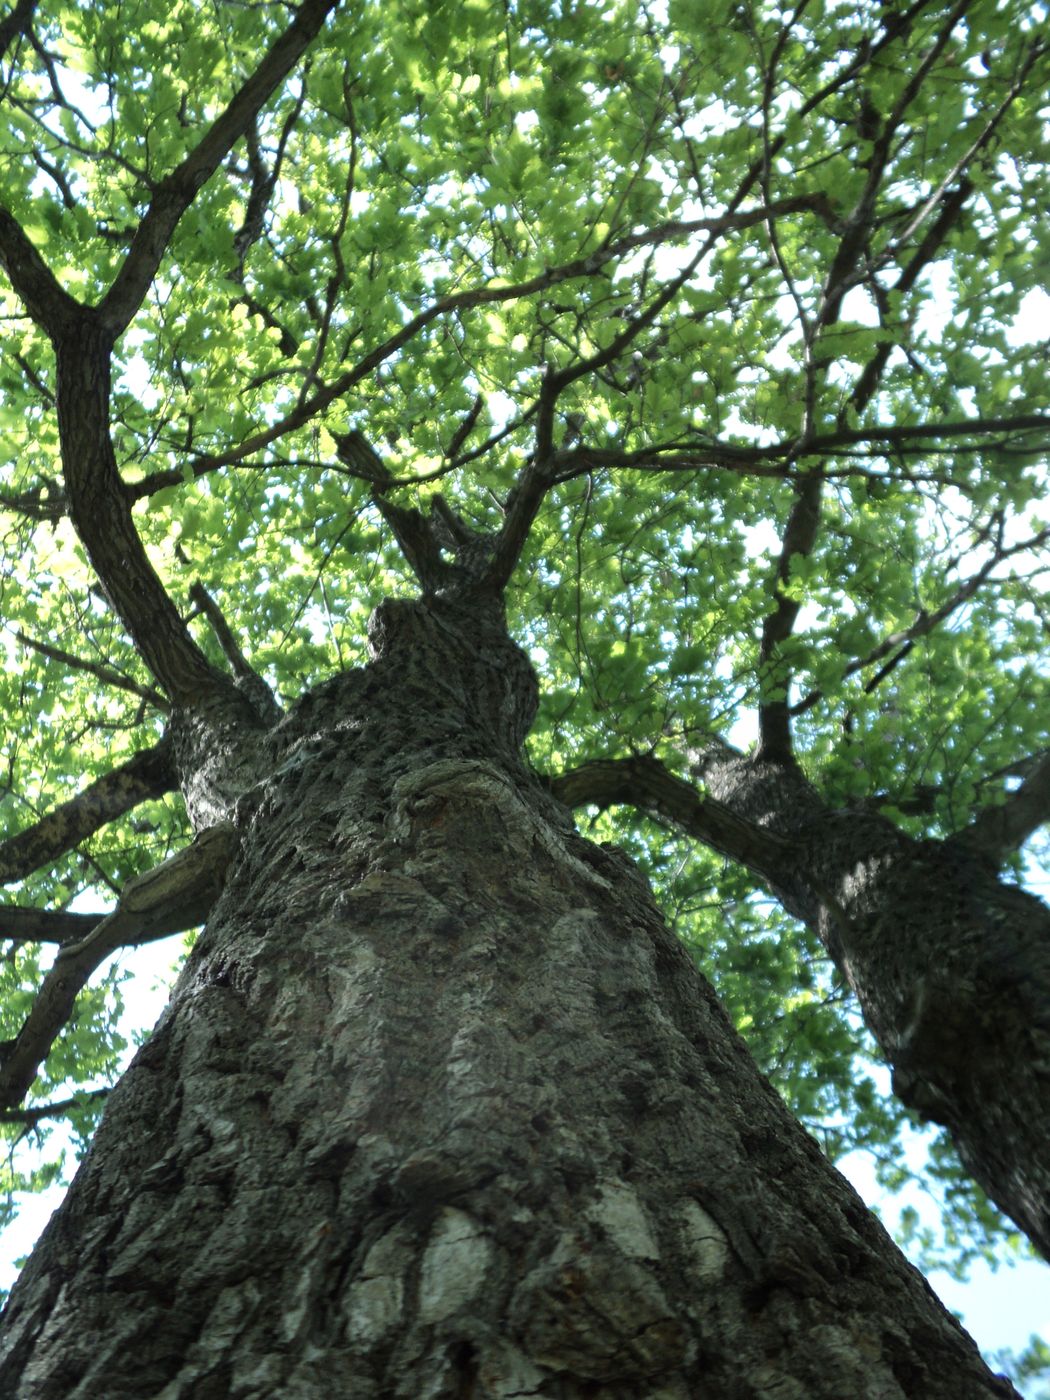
(101, 513)
(643, 782)
(906, 433)
(20, 925)
(178, 190)
(998, 831)
(15, 24)
(147, 775)
(45, 299)
(177, 895)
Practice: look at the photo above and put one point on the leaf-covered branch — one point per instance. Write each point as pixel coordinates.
(925, 622)
(177, 191)
(800, 534)
(108, 675)
(496, 293)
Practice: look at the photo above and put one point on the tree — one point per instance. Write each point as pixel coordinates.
(525, 322)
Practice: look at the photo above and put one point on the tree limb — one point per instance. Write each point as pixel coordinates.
(643, 782)
(996, 832)
(101, 513)
(15, 24)
(46, 300)
(925, 622)
(250, 680)
(107, 674)
(800, 534)
(31, 1116)
(177, 191)
(178, 894)
(587, 266)
(20, 925)
(871, 376)
(147, 775)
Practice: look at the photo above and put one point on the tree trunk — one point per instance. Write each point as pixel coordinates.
(950, 965)
(441, 1109)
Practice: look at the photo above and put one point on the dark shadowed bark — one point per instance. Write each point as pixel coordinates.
(441, 1108)
(951, 967)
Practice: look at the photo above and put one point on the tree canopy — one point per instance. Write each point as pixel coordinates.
(731, 315)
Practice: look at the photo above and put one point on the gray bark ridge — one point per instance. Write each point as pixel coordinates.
(440, 1108)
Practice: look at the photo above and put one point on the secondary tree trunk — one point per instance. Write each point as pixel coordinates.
(950, 965)
(441, 1109)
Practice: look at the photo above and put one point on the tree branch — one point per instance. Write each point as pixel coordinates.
(538, 476)
(107, 674)
(643, 782)
(923, 432)
(247, 678)
(177, 895)
(15, 24)
(925, 622)
(20, 925)
(870, 377)
(32, 1116)
(101, 513)
(800, 536)
(586, 266)
(147, 775)
(47, 302)
(177, 191)
(996, 832)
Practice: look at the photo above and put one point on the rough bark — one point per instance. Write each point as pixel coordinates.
(950, 965)
(441, 1109)
(146, 774)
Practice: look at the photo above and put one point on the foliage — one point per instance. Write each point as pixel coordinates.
(444, 209)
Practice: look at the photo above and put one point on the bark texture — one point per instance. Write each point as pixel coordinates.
(950, 965)
(441, 1109)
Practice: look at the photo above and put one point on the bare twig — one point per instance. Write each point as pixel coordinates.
(107, 674)
(32, 1116)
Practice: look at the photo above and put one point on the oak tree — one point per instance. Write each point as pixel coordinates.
(423, 423)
